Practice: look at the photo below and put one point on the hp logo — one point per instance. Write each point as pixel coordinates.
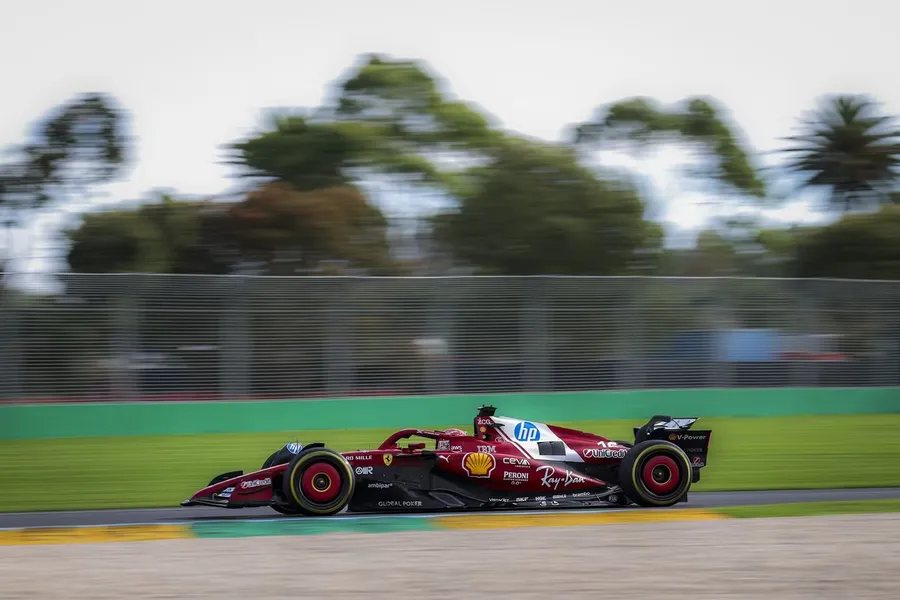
(526, 432)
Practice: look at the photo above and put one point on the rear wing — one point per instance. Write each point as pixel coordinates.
(695, 443)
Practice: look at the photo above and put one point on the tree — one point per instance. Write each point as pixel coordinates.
(387, 117)
(76, 147)
(310, 231)
(698, 122)
(417, 115)
(304, 154)
(277, 228)
(165, 235)
(849, 147)
(858, 246)
(535, 210)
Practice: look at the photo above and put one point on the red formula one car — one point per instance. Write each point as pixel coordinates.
(508, 463)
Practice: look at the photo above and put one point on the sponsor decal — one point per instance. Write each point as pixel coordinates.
(516, 462)
(380, 486)
(404, 503)
(255, 483)
(551, 479)
(455, 448)
(388, 459)
(226, 493)
(526, 432)
(363, 457)
(515, 475)
(364, 470)
(698, 462)
(443, 445)
(522, 499)
(294, 447)
(488, 449)
(478, 464)
(446, 458)
(604, 453)
(684, 437)
(482, 421)
(604, 444)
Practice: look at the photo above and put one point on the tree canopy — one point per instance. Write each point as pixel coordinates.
(535, 210)
(273, 230)
(511, 205)
(698, 122)
(849, 147)
(77, 146)
(858, 246)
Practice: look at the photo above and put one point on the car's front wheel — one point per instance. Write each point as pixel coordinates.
(655, 473)
(318, 482)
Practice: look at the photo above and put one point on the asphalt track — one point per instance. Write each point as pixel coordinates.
(181, 515)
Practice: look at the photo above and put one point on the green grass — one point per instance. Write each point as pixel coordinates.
(811, 509)
(746, 454)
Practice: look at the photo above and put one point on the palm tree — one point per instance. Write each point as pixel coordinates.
(849, 147)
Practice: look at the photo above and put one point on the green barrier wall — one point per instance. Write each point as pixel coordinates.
(132, 419)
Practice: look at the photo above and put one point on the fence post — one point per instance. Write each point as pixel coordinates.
(10, 361)
(634, 332)
(125, 345)
(805, 372)
(441, 327)
(339, 340)
(887, 336)
(723, 320)
(236, 343)
(535, 326)
(894, 335)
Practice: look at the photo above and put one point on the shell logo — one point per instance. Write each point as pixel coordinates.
(478, 464)
(673, 437)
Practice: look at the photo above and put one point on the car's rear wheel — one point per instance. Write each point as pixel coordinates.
(655, 473)
(318, 482)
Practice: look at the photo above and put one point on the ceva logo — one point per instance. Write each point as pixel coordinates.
(526, 432)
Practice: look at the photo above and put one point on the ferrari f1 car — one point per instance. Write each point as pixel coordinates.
(507, 463)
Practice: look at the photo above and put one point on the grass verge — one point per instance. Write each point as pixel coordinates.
(805, 452)
(811, 509)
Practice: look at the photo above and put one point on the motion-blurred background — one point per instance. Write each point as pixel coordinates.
(168, 235)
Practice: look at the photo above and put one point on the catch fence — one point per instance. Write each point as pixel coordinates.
(143, 336)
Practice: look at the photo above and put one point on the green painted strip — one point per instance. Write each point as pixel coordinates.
(312, 526)
(810, 509)
(181, 418)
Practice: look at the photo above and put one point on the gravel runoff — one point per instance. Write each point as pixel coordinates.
(818, 558)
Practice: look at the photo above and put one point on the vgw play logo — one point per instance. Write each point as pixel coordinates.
(526, 432)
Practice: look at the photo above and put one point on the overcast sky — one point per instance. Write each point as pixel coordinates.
(195, 74)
